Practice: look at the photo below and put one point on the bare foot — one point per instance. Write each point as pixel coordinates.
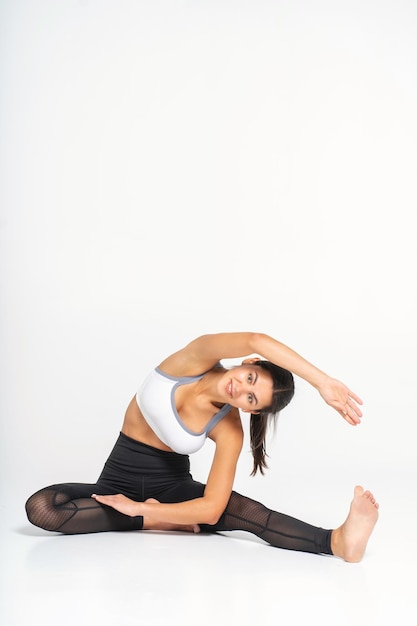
(349, 540)
(151, 524)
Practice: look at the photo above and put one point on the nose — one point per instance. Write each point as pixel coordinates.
(241, 388)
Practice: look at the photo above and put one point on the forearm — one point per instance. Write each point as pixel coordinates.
(197, 511)
(280, 354)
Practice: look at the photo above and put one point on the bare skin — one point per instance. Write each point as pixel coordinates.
(350, 539)
(152, 524)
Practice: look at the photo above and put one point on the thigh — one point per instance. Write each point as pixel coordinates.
(178, 491)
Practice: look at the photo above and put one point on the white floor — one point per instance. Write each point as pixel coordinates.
(172, 578)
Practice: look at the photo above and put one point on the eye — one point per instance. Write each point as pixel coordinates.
(250, 378)
(250, 398)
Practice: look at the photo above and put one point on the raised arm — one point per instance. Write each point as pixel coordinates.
(204, 352)
(335, 393)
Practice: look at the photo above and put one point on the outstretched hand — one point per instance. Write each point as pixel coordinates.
(121, 503)
(342, 399)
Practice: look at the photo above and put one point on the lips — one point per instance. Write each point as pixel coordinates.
(229, 389)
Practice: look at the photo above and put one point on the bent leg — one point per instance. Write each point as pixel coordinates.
(68, 508)
(277, 529)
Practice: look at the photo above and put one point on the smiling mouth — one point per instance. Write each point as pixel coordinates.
(229, 389)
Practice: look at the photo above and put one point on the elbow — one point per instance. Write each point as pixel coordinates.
(213, 516)
(212, 521)
(257, 341)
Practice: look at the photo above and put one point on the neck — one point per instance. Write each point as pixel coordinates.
(206, 387)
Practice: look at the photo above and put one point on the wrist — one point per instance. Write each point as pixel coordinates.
(138, 510)
(319, 380)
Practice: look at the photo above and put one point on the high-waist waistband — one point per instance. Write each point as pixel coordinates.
(130, 456)
(138, 445)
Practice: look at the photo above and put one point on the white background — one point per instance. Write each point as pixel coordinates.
(172, 168)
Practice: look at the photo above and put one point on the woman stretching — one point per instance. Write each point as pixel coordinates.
(146, 481)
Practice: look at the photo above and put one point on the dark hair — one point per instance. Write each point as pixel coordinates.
(283, 391)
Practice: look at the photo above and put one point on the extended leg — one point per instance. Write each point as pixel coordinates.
(348, 541)
(281, 531)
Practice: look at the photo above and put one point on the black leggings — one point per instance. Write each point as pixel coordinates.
(140, 472)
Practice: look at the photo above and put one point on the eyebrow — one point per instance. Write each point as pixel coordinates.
(256, 378)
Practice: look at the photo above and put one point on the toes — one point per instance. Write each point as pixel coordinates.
(359, 492)
(370, 496)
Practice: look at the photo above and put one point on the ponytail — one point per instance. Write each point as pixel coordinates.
(283, 392)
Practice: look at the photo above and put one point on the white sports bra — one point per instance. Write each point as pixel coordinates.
(156, 400)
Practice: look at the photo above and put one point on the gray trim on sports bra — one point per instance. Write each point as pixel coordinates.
(183, 380)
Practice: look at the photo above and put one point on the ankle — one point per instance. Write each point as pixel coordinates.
(336, 542)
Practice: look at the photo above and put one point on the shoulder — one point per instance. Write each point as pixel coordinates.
(229, 431)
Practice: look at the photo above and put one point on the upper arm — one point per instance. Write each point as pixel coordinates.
(204, 352)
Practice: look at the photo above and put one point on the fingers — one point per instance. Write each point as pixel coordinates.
(119, 502)
(355, 397)
(351, 413)
(351, 417)
(349, 420)
(102, 499)
(350, 410)
(110, 500)
(354, 408)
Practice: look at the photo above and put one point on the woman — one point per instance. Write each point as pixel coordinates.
(146, 484)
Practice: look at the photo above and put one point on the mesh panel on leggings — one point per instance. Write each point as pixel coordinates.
(68, 508)
(50, 509)
(281, 531)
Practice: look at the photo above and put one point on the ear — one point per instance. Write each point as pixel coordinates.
(250, 360)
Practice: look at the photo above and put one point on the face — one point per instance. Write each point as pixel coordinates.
(248, 387)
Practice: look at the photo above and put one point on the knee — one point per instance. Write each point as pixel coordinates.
(41, 510)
